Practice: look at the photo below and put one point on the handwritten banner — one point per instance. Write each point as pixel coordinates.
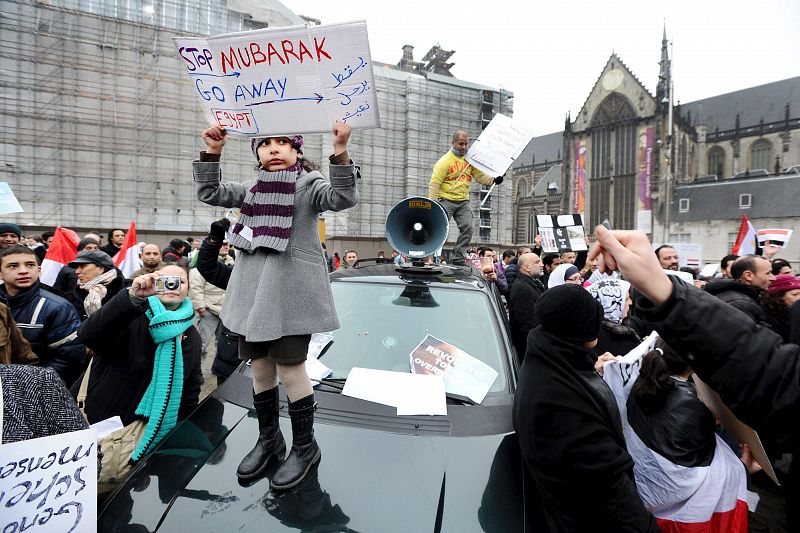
(498, 146)
(279, 81)
(50, 483)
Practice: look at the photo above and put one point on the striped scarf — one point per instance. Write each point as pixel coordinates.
(267, 210)
(162, 399)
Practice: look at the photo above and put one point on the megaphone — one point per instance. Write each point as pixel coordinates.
(417, 227)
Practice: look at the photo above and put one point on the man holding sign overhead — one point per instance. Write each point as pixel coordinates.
(450, 182)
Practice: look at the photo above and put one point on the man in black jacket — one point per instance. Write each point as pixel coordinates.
(522, 299)
(568, 423)
(751, 275)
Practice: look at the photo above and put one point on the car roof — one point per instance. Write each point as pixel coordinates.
(389, 273)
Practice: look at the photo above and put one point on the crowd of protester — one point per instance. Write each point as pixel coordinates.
(99, 337)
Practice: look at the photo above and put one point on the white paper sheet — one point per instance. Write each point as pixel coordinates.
(107, 426)
(315, 369)
(411, 394)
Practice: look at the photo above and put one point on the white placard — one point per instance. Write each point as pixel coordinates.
(8, 202)
(498, 145)
(561, 233)
(412, 394)
(279, 81)
(50, 482)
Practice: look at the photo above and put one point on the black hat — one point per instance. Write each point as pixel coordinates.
(8, 227)
(93, 256)
(570, 313)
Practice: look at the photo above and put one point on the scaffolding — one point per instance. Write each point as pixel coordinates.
(97, 128)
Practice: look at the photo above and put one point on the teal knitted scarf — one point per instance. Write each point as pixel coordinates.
(162, 399)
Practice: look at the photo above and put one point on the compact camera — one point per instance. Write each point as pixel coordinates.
(168, 283)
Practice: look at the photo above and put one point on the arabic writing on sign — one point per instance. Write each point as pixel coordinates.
(361, 89)
(347, 72)
(357, 113)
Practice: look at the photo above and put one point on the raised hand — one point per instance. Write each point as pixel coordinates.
(214, 138)
(341, 134)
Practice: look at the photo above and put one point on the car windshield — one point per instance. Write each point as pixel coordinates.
(381, 324)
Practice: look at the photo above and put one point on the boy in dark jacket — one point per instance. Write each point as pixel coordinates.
(47, 321)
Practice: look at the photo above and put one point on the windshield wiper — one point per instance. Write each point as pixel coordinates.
(334, 383)
(459, 400)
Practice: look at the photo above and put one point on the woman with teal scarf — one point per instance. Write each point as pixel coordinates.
(146, 362)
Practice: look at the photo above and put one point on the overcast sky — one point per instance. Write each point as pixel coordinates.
(550, 53)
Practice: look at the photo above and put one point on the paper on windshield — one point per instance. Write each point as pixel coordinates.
(411, 394)
(463, 374)
(319, 341)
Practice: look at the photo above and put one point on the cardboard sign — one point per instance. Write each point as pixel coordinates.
(8, 202)
(51, 483)
(561, 233)
(280, 81)
(498, 146)
(464, 375)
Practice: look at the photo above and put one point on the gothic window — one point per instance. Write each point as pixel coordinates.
(716, 161)
(760, 154)
(615, 108)
(522, 188)
(531, 226)
(683, 159)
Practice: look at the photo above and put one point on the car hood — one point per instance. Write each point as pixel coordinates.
(368, 480)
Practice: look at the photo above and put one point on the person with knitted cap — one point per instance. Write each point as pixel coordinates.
(568, 423)
(10, 234)
(279, 293)
(779, 301)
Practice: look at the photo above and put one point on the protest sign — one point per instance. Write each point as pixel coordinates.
(561, 233)
(498, 145)
(776, 237)
(464, 375)
(8, 202)
(273, 81)
(50, 482)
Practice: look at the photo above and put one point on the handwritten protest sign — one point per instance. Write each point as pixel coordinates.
(51, 483)
(464, 375)
(8, 202)
(498, 145)
(297, 79)
(561, 233)
(775, 237)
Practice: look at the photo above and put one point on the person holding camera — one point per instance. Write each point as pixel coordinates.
(279, 291)
(146, 363)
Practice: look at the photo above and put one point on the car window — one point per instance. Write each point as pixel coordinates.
(380, 325)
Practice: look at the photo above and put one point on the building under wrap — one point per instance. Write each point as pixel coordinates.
(99, 124)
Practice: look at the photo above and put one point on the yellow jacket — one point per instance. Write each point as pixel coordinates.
(450, 181)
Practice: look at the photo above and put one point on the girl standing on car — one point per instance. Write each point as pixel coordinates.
(279, 292)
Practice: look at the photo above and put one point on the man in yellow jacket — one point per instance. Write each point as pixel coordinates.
(450, 182)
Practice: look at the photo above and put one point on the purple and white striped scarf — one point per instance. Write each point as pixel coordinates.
(267, 210)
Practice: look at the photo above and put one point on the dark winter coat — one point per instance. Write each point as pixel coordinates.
(122, 366)
(50, 325)
(755, 372)
(522, 317)
(794, 323)
(36, 404)
(218, 273)
(780, 322)
(512, 271)
(78, 295)
(745, 298)
(618, 339)
(65, 282)
(572, 443)
(111, 249)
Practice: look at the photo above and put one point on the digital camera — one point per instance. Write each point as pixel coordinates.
(168, 283)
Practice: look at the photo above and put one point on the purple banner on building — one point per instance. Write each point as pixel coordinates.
(579, 184)
(645, 167)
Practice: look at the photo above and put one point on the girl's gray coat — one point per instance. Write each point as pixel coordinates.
(273, 294)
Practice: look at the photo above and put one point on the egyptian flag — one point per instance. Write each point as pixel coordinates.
(683, 499)
(127, 259)
(746, 243)
(62, 250)
(778, 237)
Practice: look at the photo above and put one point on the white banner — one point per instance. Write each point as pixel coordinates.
(8, 202)
(561, 233)
(50, 483)
(498, 146)
(280, 81)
